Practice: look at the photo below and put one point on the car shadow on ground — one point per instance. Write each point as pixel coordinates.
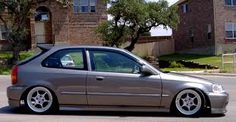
(22, 111)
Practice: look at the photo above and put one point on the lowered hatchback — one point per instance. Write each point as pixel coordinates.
(107, 79)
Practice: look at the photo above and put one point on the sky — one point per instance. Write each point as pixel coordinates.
(159, 31)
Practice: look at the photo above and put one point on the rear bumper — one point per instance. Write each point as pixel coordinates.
(218, 101)
(14, 94)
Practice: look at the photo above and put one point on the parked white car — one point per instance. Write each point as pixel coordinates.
(67, 61)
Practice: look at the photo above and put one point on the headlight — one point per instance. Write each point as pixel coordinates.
(216, 88)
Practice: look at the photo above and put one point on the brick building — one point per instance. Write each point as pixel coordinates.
(206, 26)
(54, 23)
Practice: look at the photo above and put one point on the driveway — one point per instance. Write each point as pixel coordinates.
(8, 114)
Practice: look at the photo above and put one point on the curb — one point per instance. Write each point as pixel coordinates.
(213, 74)
(198, 72)
(206, 72)
(210, 74)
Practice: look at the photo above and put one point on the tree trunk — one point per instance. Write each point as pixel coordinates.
(15, 56)
(130, 47)
(133, 42)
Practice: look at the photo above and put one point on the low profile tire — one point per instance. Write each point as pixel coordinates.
(40, 100)
(189, 103)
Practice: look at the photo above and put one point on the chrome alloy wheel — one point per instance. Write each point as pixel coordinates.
(39, 99)
(188, 102)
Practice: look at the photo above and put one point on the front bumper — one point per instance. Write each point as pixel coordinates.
(14, 94)
(218, 101)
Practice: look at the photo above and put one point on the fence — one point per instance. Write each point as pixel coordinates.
(228, 59)
(154, 46)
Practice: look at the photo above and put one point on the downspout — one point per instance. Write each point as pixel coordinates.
(214, 25)
(68, 21)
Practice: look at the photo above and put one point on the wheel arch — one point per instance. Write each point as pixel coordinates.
(24, 95)
(206, 100)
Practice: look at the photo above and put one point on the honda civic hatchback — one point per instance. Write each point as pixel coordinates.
(107, 79)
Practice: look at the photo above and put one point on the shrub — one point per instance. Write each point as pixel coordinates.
(26, 54)
(174, 64)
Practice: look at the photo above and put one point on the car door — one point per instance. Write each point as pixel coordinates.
(115, 79)
(67, 71)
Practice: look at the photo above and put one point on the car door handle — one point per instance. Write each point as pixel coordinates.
(99, 78)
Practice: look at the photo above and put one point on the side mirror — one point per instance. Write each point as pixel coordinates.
(146, 71)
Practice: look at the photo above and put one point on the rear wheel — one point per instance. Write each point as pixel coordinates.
(188, 102)
(40, 100)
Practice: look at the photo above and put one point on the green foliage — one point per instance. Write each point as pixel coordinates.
(107, 33)
(25, 54)
(146, 34)
(15, 16)
(174, 64)
(5, 70)
(202, 59)
(132, 18)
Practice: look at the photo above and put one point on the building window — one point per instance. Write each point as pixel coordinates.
(92, 5)
(42, 14)
(209, 31)
(185, 8)
(230, 2)
(230, 30)
(3, 33)
(84, 6)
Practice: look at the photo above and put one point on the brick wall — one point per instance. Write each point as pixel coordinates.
(72, 28)
(223, 14)
(197, 19)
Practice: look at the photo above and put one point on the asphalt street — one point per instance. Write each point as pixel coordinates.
(8, 114)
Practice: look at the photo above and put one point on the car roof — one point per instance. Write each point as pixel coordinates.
(58, 47)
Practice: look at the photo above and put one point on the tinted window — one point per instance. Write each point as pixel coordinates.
(66, 59)
(106, 61)
(230, 2)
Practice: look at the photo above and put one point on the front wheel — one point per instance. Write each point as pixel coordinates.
(188, 102)
(40, 100)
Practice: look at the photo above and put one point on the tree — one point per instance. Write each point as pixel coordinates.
(14, 15)
(133, 18)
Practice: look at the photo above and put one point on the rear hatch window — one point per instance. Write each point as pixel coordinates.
(44, 48)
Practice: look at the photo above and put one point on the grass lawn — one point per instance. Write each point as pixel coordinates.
(5, 70)
(23, 54)
(202, 59)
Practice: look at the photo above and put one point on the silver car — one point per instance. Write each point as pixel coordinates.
(107, 79)
(67, 60)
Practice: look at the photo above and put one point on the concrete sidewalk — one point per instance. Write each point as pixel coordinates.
(7, 76)
(205, 73)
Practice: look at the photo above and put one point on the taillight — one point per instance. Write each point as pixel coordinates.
(14, 73)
